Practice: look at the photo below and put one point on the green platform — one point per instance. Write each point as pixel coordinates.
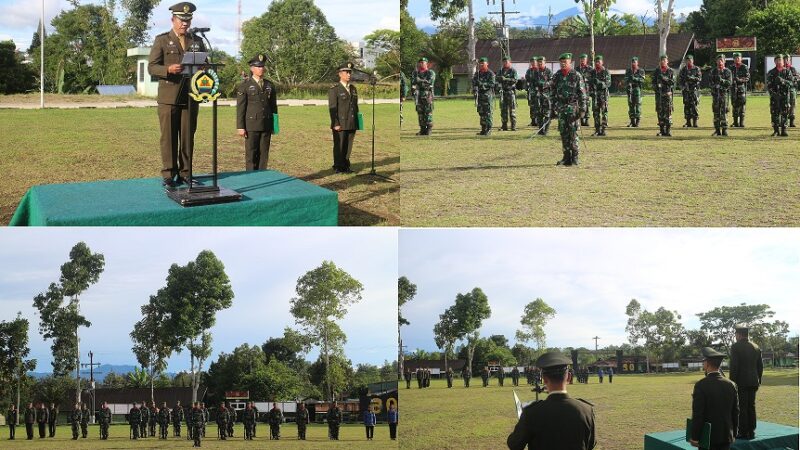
(769, 436)
(270, 198)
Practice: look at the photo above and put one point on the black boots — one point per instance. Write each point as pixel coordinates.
(688, 123)
(775, 131)
(741, 121)
(666, 130)
(694, 122)
(724, 131)
(783, 131)
(791, 122)
(636, 122)
(735, 121)
(716, 132)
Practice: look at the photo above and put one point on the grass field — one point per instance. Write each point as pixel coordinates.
(350, 436)
(58, 146)
(482, 418)
(628, 178)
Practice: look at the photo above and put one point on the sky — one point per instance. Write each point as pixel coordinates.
(589, 275)
(263, 265)
(20, 18)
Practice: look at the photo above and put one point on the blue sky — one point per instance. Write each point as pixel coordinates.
(590, 275)
(262, 263)
(19, 18)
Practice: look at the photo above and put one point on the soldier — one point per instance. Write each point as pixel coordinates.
(634, 78)
(403, 94)
(507, 81)
(302, 421)
(248, 417)
(52, 418)
(206, 417)
(741, 76)
(105, 420)
(746, 371)
(721, 81)
(570, 103)
(778, 81)
(559, 421)
(543, 78)
(610, 375)
(689, 81)
(189, 424)
(334, 418)
(485, 376)
(135, 420)
(231, 419)
(449, 375)
(663, 85)
(275, 419)
(599, 81)
(427, 378)
(419, 378)
(42, 417)
(76, 419)
(11, 420)
(584, 69)
(422, 81)
(30, 419)
(530, 88)
(407, 376)
(343, 106)
(501, 376)
(793, 86)
(483, 91)
(163, 420)
(177, 135)
(515, 376)
(256, 102)
(255, 424)
(466, 375)
(222, 421)
(84, 420)
(198, 420)
(177, 418)
(393, 418)
(369, 423)
(714, 401)
(145, 411)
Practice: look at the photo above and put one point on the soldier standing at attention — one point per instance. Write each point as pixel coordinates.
(302, 421)
(11, 420)
(173, 98)
(714, 401)
(542, 79)
(76, 420)
(569, 104)
(189, 424)
(256, 102)
(343, 106)
(663, 85)
(501, 376)
(30, 419)
(135, 419)
(105, 421)
(507, 80)
(599, 80)
(741, 76)
(558, 422)
(42, 417)
(84, 420)
(746, 371)
(222, 421)
(485, 376)
(163, 420)
(793, 86)
(419, 378)
(721, 81)
(584, 69)
(634, 78)
(778, 83)
(449, 376)
(422, 81)
(466, 374)
(483, 91)
(231, 419)
(206, 416)
(515, 376)
(689, 81)
(334, 418)
(407, 376)
(198, 423)
(275, 420)
(145, 411)
(248, 418)
(52, 419)
(177, 418)
(530, 88)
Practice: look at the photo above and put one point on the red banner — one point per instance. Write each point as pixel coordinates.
(736, 44)
(237, 394)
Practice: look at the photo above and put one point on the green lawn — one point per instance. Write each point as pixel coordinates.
(316, 438)
(482, 418)
(454, 178)
(57, 146)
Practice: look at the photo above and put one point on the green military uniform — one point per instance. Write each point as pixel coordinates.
(248, 418)
(501, 376)
(584, 70)
(485, 376)
(403, 93)
(135, 420)
(483, 90)
(177, 418)
(222, 422)
(198, 423)
(52, 421)
(530, 89)
(515, 376)
(11, 420)
(746, 370)
(76, 419)
(85, 422)
(256, 102)
(275, 418)
(779, 85)
(569, 103)
(466, 374)
(343, 108)
(42, 417)
(30, 419)
(145, 412)
(507, 81)
(334, 419)
(231, 420)
(105, 421)
(741, 77)
(449, 376)
(173, 113)
(721, 81)
(407, 377)
(206, 417)
(422, 88)
(599, 81)
(301, 418)
(419, 378)
(714, 401)
(163, 421)
(542, 79)
(633, 85)
(793, 87)
(559, 421)
(689, 82)
(663, 84)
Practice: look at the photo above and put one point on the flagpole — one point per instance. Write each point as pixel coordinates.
(41, 66)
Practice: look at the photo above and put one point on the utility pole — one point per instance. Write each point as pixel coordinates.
(239, 28)
(595, 343)
(502, 34)
(91, 378)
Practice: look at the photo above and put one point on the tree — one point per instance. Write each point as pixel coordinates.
(15, 76)
(246, 369)
(469, 311)
(13, 351)
(661, 332)
(721, 321)
(534, 318)
(113, 380)
(323, 295)
(445, 50)
(137, 20)
(51, 389)
(771, 336)
(302, 47)
(387, 43)
(446, 333)
(332, 372)
(593, 10)
(663, 23)
(189, 303)
(406, 290)
(61, 322)
(286, 349)
(149, 345)
(777, 27)
(412, 42)
(448, 10)
(138, 379)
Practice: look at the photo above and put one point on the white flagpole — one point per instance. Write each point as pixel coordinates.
(41, 68)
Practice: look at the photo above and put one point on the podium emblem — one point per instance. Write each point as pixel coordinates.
(205, 86)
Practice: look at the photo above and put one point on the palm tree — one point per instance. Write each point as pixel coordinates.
(445, 50)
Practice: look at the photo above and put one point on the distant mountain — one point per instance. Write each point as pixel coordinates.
(100, 372)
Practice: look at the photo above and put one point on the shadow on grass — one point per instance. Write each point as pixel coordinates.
(488, 167)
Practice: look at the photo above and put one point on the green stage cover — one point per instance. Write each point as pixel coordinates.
(769, 436)
(268, 198)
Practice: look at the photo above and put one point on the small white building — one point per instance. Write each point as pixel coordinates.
(145, 84)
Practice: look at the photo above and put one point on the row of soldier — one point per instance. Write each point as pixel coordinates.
(423, 376)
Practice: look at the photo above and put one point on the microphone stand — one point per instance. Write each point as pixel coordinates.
(373, 81)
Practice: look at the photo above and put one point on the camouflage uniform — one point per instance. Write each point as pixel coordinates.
(778, 84)
(633, 86)
(198, 420)
(501, 376)
(663, 84)
(163, 421)
(75, 422)
(231, 420)
(533, 99)
(145, 412)
(721, 81)
(466, 374)
(135, 420)
(483, 90)
(222, 422)
(542, 79)
(177, 418)
(449, 376)
(793, 86)
(569, 105)
(275, 418)
(515, 376)
(249, 418)
(689, 82)
(105, 422)
(599, 83)
(422, 89)
(85, 422)
(584, 71)
(334, 418)
(507, 81)
(302, 421)
(741, 76)
(403, 94)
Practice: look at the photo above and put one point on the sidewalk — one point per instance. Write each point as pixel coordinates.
(153, 104)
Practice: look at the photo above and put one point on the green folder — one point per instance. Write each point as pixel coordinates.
(275, 125)
(360, 119)
(705, 435)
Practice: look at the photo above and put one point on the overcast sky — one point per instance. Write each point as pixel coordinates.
(352, 19)
(262, 263)
(590, 275)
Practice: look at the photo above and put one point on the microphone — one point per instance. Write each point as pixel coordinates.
(199, 30)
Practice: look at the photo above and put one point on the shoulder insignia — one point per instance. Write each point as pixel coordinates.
(162, 34)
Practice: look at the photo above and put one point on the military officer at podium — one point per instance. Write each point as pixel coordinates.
(256, 102)
(714, 401)
(343, 106)
(173, 113)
